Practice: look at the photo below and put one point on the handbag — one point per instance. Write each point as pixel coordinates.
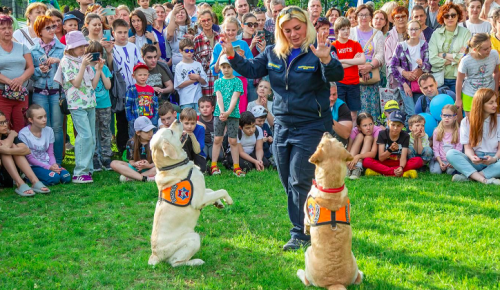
(375, 72)
(415, 88)
(10, 94)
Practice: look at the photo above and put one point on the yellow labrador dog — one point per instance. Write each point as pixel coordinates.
(329, 260)
(182, 194)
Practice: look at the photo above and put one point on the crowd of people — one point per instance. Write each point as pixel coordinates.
(255, 91)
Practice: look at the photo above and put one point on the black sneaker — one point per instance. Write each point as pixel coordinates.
(106, 164)
(295, 244)
(97, 165)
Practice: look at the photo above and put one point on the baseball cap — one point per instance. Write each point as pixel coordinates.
(143, 124)
(75, 39)
(396, 116)
(70, 17)
(391, 106)
(140, 65)
(223, 59)
(259, 111)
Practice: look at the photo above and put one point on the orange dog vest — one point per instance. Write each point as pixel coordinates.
(319, 215)
(179, 194)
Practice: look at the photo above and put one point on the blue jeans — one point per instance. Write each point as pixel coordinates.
(427, 153)
(84, 122)
(409, 106)
(192, 106)
(464, 165)
(54, 120)
(49, 177)
(451, 83)
(292, 148)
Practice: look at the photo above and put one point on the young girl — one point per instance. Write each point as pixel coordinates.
(480, 134)
(263, 93)
(40, 140)
(79, 82)
(103, 153)
(140, 35)
(478, 69)
(446, 136)
(140, 164)
(12, 155)
(362, 143)
(230, 28)
(228, 90)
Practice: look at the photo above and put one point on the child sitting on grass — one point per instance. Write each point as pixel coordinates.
(251, 154)
(419, 141)
(446, 136)
(362, 144)
(140, 164)
(193, 138)
(227, 114)
(261, 114)
(40, 140)
(167, 115)
(393, 146)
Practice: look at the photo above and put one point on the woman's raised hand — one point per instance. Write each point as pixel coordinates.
(323, 48)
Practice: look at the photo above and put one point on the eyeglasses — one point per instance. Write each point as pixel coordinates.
(400, 17)
(450, 16)
(413, 29)
(189, 50)
(260, 9)
(291, 11)
(206, 20)
(49, 28)
(363, 15)
(446, 116)
(4, 123)
(251, 24)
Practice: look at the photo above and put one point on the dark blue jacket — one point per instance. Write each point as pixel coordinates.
(301, 91)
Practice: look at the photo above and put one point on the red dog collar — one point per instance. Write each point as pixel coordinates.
(329, 190)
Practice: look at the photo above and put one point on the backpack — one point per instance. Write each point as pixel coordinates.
(225, 142)
(118, 90)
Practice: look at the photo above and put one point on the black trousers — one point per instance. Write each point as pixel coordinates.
(122, 131)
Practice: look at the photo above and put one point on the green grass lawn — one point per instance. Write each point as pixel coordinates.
(426, 233)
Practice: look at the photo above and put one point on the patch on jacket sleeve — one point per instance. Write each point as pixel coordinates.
(274, 66)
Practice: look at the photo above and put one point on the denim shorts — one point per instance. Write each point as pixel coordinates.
(351, 95)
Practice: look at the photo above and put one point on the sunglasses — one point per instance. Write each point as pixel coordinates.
(400, 17)
(189, 50)
(260, 9)
(251, 24)
(446, 116)
(49, 28)
(450, 16)
(291, 11)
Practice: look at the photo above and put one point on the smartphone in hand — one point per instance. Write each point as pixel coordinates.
(95, 56)
(107, 34)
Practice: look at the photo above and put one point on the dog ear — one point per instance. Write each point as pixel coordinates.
(169, 150)
(317, 156)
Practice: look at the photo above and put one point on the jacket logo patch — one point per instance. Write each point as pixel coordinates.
(306, 68)
(273, 65)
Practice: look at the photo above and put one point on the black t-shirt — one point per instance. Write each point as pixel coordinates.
(344, 113)
(403, 142)
(130, 150)
(16, 140)
(209, 130)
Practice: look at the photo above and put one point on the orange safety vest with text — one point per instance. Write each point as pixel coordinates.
(179, 194)
(319, 215)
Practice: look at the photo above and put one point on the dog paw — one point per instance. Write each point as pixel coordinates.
(195, 262)
(153, 260)
(228, 200)
(218, 204)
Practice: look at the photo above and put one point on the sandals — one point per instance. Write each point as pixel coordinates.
(37, 187)
(23, 188)
(238, 172)
(214, 170)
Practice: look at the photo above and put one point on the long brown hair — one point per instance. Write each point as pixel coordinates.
(137, 148)
(440, 127)
(477, 118)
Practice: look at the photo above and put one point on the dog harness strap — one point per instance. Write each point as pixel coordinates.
(319, 215)
(328, 190)
(181, 193)
(170, 167)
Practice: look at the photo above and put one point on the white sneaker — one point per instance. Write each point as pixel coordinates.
(459, 178)
(356, 173)
(492, 181)
(123, 178)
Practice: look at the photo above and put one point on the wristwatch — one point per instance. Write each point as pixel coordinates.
(444, 54)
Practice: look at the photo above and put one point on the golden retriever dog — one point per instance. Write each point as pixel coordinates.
(329, 260)
(182, 194)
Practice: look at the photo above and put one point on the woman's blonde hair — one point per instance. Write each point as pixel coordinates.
(440, 127)
(32, 7)
(282, 47)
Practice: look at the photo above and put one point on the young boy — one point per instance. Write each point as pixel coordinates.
(102, 153)
(393, 146)
(389, 107)
(189, 76)
(149, 12)
(227, 113)
(260, 114)
(70, 23)
(206, 106)
(351, 55)
(193, 138)
(141, 99)
(167, 114)
(419, 141)
(251, 153)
